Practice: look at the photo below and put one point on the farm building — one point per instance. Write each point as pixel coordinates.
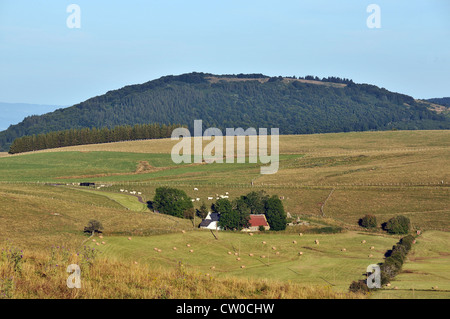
(211, 221)
(87, 184)
(257, 220)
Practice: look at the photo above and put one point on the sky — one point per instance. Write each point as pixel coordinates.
(45, 61)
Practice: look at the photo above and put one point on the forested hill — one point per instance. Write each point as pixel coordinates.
(295, 105)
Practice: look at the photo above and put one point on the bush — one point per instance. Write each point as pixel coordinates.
(398, 225)
(172, 201)
(368, 221)
(359, 286)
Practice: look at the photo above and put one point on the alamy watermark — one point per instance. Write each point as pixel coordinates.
(74, 280)
(374, 277)
(213, 152)
(73, 21)
(374, 19)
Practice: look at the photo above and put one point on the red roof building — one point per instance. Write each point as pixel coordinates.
(257, 220)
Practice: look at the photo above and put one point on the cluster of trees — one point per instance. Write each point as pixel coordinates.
(90, 136)
(234, 215)
(396, 225)
(295, 107)
(392, 265)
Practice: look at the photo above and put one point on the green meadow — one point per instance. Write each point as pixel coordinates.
(328, 180)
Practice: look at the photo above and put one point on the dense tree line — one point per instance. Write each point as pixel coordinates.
(292, 106)
(90, 136)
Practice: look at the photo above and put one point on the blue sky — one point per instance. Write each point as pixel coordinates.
(42, 61)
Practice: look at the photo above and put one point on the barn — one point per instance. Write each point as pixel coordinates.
(87, 184)
(257, 220)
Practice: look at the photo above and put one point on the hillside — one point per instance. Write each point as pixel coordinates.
(296, 106)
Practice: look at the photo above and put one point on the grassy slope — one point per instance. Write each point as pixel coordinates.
(385, 173)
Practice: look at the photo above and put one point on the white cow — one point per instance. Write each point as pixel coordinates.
(195, 189)
(210, 198)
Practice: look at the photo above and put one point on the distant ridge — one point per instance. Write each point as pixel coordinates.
(301, 105)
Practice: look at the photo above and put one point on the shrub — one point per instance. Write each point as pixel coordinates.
(359, 286)
(368, 221)
(398, 225)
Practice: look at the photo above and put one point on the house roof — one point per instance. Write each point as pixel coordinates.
(258, 220)
(205, 222)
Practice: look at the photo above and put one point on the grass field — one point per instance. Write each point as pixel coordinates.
(333, 179)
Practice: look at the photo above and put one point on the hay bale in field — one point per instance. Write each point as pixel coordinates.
(98, 244)
(370, 256)
(174, 248)
(251, 255)
(263, 256)
(316, 242)
(274, 248)
(103, 243)
(277, 253)
(135, 262)
(263, 242)
(129, 238)
(155, 249)
(191, 251)
(251, 234)
(188, 245)
(238, 258)
(343, 249)
(183, 231)
(300, 234)
(159, 250)
(94, 240)
(300, 253)
(363, 242)
(213, 267)
(294, 242)
(372, 247)
(229, 253)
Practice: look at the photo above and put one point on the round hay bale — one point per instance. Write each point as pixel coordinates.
(343, 249)
(183, 231)
(101, 237)
(263, 256)
(238, 258)
(188, 245)
(229, 253)
(395, 287)
(135, 262)
(236, 254)
(294, 242)
(363, 242)
(155, 249)
(191, 251)
(274, 248)
(174, 248)
(301, 234)
(251, 234)
(242, 266)
(372, 247)
(129, 238)
(98, 244)
(213, 267)
(435, 287)
(300, 253)
(316, 242)
(94, 240)
(263, 242)
(388, 284)
(370, 256)
(103, 243)
(251, 255)
(277, 253)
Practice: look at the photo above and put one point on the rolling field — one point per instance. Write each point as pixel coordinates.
(333, 178)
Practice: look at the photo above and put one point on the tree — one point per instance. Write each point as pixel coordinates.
(172, 201)
(275, 214)
(398, 225)
(256, 201)
(230, 218)
(203, 211)
(93, 226)
(368, 221)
